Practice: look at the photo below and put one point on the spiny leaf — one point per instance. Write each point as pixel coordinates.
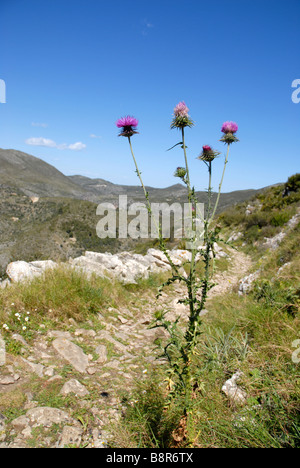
(180, 143)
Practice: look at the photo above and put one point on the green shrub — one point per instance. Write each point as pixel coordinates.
(259, 219)
(233, 216)
(293, 183)
(280, 218)
(278, 294)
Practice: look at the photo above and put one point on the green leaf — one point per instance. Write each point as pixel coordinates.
(180, 143)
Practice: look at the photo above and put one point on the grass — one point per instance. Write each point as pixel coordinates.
(253, 334)
(61, 295)
(239, 335)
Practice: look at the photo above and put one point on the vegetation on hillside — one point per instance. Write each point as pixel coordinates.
(265, 214)
(255, 334)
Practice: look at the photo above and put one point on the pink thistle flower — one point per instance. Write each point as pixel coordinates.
(181, 110)
(181, 117)
(229, 127)
(206, 148)
(127, 121)
(208, 154)
(128, 125)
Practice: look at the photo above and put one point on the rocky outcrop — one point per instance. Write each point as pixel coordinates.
(245, 284)
(273, 243)
(126, 267)
(20, 271)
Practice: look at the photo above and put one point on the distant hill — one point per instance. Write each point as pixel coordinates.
(62, 221)
(35, 177)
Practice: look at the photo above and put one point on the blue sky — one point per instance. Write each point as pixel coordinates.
(72, 68)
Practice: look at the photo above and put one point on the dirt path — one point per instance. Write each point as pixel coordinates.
(128, 349)
(239, 266)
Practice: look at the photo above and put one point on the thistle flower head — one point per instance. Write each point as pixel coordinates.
(206, 148)
(229, 129)
(208, 154)
(128, 125)
(181, 110)
(181, 117)
(180, 172)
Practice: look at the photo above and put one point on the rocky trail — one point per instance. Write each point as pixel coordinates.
(70, 381)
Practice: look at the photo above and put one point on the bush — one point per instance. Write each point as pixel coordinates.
(293, 183)
(232, 217)
(259, 219)
(278, 294)
(280, 218)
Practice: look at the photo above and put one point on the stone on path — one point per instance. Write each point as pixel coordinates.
(73, 386)
(72, 354)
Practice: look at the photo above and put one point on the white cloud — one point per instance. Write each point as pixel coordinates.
(77, 146)
(37, 124)
(41, 142)
(51, 144)
(92, 135)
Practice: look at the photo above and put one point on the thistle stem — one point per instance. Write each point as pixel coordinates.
(220, 186)
(158, 227)
(139, 176)
(186, 164)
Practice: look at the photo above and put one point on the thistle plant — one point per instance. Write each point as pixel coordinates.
(180, 348)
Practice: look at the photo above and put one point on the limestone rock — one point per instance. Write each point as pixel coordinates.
(274, 242)
(70, 436)
(44, 264)
(126, 267)
(73, 386)
(6, 380)
(245, 283)
(102, 353)
(59, 334)
(45, 416)
(71, 353)
(103, 334)
(21, 271)
(235, 236)
(38, 369)
(235, 394)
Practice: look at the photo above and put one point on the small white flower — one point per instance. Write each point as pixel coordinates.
(26, 319)
(145, 371)
(12, 303)
(24, 328)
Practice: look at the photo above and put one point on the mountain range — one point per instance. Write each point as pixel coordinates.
(36, 178)
(46, 214)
